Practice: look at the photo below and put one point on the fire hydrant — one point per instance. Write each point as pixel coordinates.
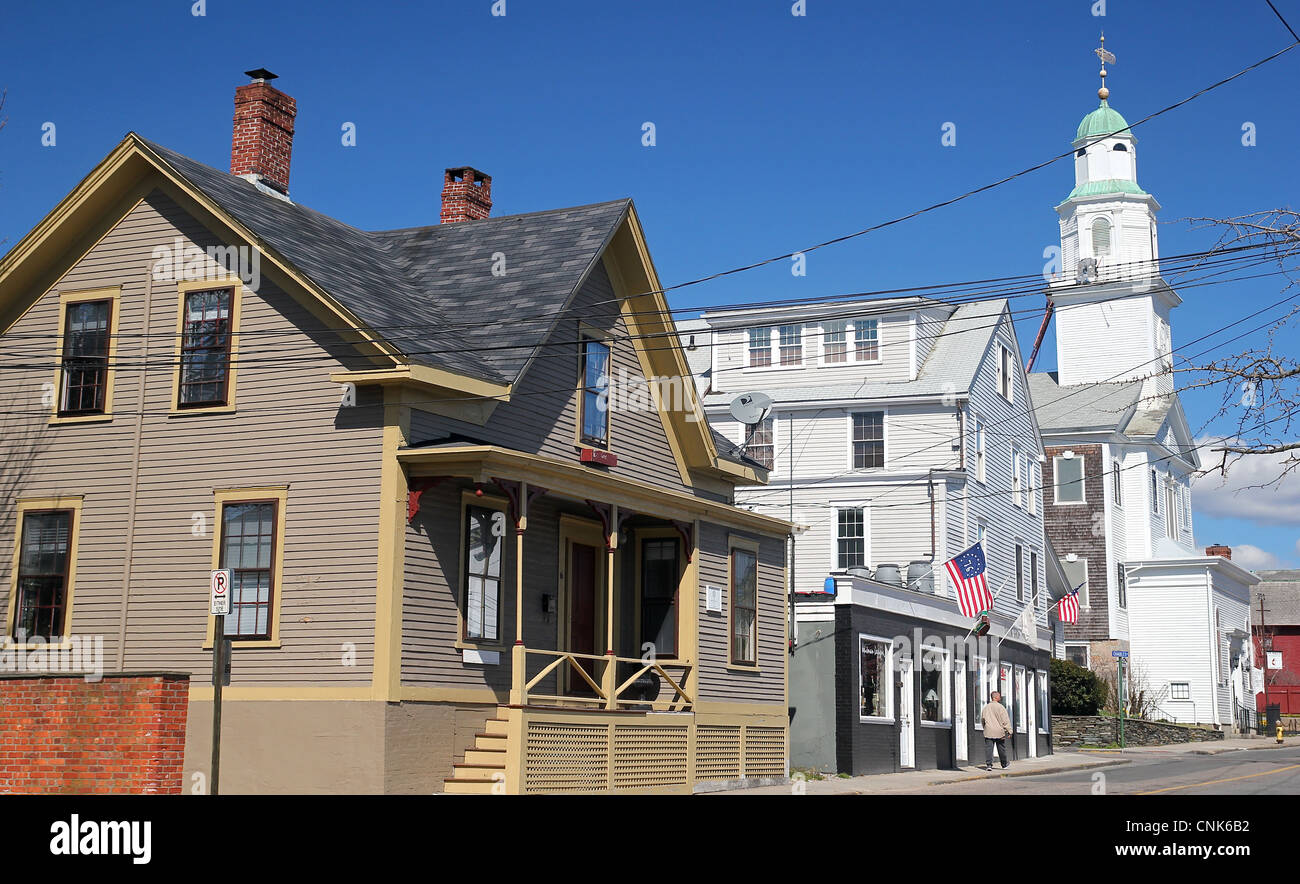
(1279, 731)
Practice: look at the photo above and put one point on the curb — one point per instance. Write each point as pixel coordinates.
(1033, 773)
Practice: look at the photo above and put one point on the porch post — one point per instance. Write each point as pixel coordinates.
(518, 657)
(609, 678)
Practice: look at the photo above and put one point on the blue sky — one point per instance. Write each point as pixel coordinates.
(773, 131)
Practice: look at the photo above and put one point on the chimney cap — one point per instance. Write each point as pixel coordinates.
(261, 74)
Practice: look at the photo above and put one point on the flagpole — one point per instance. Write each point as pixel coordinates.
(1005, 580)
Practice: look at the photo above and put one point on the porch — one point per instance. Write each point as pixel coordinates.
(577, 598)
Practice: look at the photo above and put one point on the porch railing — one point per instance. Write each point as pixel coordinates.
(601, 676)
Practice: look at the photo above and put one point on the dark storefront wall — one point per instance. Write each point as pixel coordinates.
(874, 747)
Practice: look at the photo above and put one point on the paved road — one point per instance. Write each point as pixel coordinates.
(1244, 772)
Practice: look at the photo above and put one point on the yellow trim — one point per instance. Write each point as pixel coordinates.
(500, 643)
(183, 288)
(38, 504)
(588, 532)
(203, 693)
(386, 682)
(480, 462)
(716, 708)
(682, 631)
(112, 294)
(486, 696)
(223, 496)
(734, 543)
(424, 376)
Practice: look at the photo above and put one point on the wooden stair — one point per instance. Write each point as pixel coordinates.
(485, 762)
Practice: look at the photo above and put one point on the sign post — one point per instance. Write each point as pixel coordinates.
(1122, 699)
(220, 607)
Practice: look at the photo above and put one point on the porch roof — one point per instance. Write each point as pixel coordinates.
(482, 463)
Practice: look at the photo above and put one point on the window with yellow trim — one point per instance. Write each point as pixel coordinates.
(248, 549)
(44, 569)
(744, 606)
(207, 327)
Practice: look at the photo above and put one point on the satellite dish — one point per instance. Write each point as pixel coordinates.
(751, 408)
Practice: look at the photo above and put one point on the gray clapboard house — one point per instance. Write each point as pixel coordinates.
(456, 565)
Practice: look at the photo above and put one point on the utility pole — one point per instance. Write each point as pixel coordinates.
(1263, 653)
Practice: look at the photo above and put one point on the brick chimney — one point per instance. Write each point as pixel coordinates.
(263, 136)
(1219, 550)
(466, 195)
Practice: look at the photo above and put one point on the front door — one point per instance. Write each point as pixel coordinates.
(582, 573)
(906, 701)
(960, 732)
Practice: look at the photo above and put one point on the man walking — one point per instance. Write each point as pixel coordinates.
(997, 727)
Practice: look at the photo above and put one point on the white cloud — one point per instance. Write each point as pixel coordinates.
(1231, 497)
(1252, 558)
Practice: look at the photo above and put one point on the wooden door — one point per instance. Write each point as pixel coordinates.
(583, 571)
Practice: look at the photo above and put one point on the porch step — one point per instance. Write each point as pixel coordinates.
(485, 761)
(493, 758)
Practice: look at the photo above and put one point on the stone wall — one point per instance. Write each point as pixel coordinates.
(1096, 730)
(65, 734)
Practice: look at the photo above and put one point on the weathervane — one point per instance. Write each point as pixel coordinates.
(1106, 57)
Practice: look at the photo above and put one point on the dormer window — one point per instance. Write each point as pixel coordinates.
(866, 340)
(760, 347)
(791, 344)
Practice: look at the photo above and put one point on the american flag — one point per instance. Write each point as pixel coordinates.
(1069, 606)
(967, 572)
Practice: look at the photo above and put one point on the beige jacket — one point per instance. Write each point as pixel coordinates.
(997, 724)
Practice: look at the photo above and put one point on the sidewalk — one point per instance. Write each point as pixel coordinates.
(910, 781)
(1217, 747)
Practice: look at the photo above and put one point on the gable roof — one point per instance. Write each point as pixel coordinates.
(1082, 407)
(429, 291)
(1281, 593)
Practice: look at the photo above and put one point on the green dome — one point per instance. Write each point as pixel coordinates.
(1103, 121)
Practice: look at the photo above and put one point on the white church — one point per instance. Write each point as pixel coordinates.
(1119, 453)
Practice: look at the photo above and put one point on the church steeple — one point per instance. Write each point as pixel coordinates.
(1110, 288)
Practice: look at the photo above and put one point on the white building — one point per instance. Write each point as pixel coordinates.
(1120, 453)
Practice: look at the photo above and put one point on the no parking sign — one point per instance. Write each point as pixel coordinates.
(221, 592)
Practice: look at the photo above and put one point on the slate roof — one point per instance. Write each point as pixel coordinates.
(1108, 406)
(429, 291)
(1281, 593)
(950, 367)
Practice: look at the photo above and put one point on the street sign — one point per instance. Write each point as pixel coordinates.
(221, 592)
(1119, 653)
(1274, 659)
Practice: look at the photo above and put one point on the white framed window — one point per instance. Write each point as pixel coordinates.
(1017, 485)
(1077, 653)
(760, 441)
(936, 686)
(1033, 581)
(1006, 378)
(875, 678)
(1076, 572)
(1020, 573)
(980, 465)
(760, 347)
(866, 340)
(1116, 483)
(1004, 683)
(1068, 472)
(1032, 475)
(790, 344)
(983, 687)
(1171, 511)
(1155, 493)
(1044, 701)
(867, 440)
(1180, 690)
(835, 341)
(1121, 585)
(850, 537)
(1101, 238)
(982, 535)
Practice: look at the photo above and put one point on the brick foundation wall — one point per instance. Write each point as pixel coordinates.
(1098, 730)
(63, 734)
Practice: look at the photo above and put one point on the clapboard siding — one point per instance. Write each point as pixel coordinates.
(542, 414)
(718, 681)
(289, 430)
